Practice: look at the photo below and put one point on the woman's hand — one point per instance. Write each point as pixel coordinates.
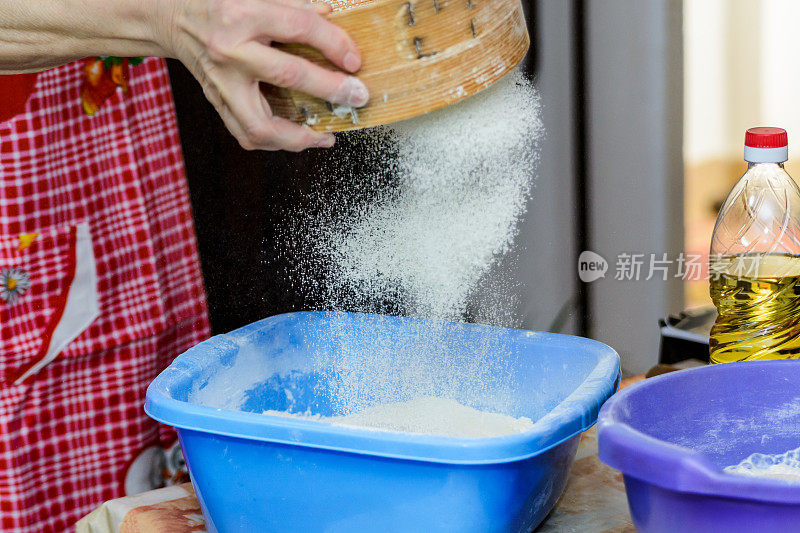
(226, 45)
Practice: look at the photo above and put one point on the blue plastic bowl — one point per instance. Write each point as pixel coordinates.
(254, 472)
(672, 435)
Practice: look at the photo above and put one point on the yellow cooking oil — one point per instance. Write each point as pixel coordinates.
(758, 300)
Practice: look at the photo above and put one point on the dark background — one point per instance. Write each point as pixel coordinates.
(241, 199)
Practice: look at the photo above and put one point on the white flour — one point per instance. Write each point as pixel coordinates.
(783, 466)
(442, 207)
(413, 221)
(432, 416)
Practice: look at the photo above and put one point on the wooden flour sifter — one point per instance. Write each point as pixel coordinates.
(417, 56)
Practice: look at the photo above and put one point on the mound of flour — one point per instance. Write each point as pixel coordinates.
(782, 466)
(427, 415)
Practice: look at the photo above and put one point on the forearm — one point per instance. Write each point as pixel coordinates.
(226, 44)
(39, 34)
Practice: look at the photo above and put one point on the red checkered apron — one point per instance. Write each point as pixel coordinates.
(94, 214)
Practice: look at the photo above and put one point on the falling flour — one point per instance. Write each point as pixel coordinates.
(428, 415)
(413, 221)
(784, 466)
(443, 205)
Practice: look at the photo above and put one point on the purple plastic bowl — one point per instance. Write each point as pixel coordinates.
(672, 435)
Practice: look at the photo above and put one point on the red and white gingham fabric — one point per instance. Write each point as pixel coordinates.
(68, 435)
(24, 324)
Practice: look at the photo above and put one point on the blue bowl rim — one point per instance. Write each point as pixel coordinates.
(679, 468)
(573, 415)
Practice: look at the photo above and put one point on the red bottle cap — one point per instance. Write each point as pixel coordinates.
(766, 137)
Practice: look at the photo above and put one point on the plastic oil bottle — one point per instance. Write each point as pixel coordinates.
(755, 258)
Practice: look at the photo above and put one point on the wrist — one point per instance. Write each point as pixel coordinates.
(143, 27)
(162, 24)
(123, 28)
(41, 34)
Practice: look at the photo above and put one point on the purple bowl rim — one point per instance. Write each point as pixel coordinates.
(681, 468)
